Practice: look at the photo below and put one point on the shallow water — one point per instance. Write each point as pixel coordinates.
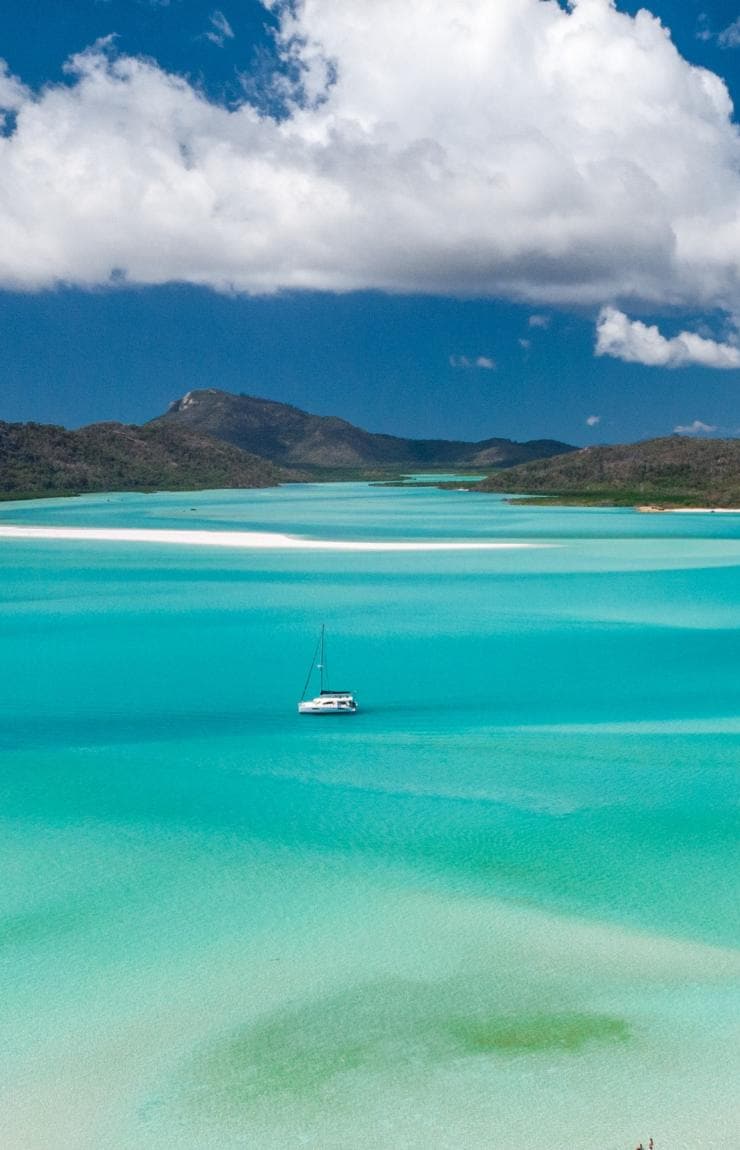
(496, 908)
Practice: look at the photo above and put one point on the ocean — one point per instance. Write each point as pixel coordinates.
(497, 908)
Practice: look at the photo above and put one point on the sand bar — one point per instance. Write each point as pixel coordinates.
(249, 540)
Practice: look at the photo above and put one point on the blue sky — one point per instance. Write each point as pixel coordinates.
(428, 254)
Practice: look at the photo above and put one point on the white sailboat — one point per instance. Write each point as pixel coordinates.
(326, 702)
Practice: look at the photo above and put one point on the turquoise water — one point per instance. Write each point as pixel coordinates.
(497, 908)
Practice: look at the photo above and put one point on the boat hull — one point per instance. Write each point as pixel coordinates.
(326, 709)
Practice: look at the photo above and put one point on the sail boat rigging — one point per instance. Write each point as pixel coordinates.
(327, 702)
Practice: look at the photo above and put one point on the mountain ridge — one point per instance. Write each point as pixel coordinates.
(292, 437)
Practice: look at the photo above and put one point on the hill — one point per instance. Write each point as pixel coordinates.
(672, 471)
(39, 459)
(291, 437)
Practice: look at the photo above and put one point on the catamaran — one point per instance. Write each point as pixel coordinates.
(326, 702)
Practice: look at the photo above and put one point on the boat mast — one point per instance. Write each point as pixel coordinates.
(317, 661)
(321, 664)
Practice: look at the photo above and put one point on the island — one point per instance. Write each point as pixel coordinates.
(670, 473)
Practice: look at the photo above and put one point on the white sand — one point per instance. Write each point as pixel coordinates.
(248, 540)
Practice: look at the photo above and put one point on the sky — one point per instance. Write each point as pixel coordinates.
(458, 218)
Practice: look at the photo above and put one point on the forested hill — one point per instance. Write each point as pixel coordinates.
(41, 459)
(675, 470)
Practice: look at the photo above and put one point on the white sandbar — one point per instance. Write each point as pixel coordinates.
(248, 540)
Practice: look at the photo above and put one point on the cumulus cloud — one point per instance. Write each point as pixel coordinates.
(483, 362)
(539, 321)
(593, 420)
(635, 342)
(519, 149)
(695, 428)
(220, 30)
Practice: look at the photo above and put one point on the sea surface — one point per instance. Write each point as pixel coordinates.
(498, 908)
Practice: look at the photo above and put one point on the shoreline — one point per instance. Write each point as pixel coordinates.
(246, 540)
(650, 509)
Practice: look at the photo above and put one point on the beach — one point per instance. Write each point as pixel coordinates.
(248, 540)
(651, 509)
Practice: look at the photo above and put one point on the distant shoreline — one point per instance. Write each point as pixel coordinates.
(649, 509)
(248, 540)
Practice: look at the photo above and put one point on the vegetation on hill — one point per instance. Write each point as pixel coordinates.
(290, 437)
(38, 460)
(670, 472)
(213, 439)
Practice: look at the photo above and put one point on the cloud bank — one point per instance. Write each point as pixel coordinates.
(635, 342)
(516, 149)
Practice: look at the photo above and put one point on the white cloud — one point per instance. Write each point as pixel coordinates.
(539, 321)
(695, 428)
(593, 420)
(482, 362)
(521, 149)
(220, 30)
(730, 37)
(13, 94)
(635, 342)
